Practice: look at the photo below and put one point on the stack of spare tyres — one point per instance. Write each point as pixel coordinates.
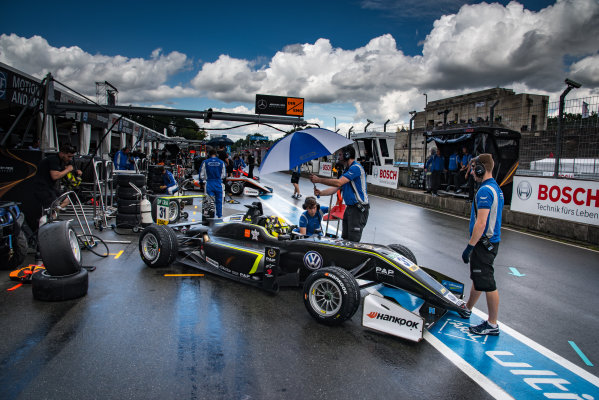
(63, 278)
(128, 199)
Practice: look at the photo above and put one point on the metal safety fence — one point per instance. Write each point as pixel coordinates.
(575, 143)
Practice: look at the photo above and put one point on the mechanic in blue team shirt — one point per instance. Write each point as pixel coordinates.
(452, 168)
(122, 160)
(311, 219)
(213, 171)
(485, 235)
(464, 175)
(170, 184)
(436, 168)
(353, 187)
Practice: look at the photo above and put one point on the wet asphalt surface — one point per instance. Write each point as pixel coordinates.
(140, 335)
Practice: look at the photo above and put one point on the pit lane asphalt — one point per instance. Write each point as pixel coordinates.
(140, 335)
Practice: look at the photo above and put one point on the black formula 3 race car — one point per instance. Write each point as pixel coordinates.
(402, 298)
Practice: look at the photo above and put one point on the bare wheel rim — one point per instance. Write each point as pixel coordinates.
(325, 297)
(149, 247)
(172, 209)
(74, 245)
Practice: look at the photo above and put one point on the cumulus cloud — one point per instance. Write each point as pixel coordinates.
(472, 47)
(136, 78)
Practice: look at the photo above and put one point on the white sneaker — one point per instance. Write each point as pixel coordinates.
(293, 196)
(298, 196)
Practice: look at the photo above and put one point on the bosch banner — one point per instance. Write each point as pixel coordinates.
(326, 169)
(384, 176)
(571, 200)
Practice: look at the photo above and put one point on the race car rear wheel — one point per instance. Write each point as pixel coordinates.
(404, 251)
(156, 246)
(331, 295)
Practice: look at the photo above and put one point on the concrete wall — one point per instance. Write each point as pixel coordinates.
(557, 228)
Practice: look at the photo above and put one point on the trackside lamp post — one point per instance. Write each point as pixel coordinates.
(558, 149)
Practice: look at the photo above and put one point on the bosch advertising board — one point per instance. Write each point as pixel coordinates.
(384, 176)
(326, 169)
(571, 200)
(279, 105)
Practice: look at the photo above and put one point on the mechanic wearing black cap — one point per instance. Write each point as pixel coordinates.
(353, 187)
(485, 231)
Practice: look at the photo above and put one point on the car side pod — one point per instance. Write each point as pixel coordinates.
(387, 316)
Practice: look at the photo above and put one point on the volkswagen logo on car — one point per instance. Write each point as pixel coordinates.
(312, 260)
(524, 190)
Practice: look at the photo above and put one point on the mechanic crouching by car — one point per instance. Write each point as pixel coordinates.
(353, 187)
(485, 234)
(311, 219)
(213, 171)
(170, 184)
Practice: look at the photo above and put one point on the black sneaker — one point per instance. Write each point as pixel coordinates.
(485, 329)
(464, 312)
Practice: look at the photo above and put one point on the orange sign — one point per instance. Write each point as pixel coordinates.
(295, 106)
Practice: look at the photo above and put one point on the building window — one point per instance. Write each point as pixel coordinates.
(533, 123)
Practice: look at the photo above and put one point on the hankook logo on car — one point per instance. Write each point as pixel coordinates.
(524, 190)
(312, 260)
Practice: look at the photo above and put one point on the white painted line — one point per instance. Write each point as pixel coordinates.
(543, 350)
(488, 385)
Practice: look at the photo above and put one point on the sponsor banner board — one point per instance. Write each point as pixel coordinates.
(325, 169)
(384, 176)
(18, 89)
(570, 200)
(279, 105)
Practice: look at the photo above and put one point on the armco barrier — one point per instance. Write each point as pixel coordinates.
(560, 229)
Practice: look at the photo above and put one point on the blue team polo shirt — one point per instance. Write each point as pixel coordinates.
(489, 196)
(168, 179)
(438, 163)
(453, 162)
(466, 159)
(355, 173)
(312, 223)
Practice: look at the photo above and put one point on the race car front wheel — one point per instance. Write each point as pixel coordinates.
(331, 295)
(237, 188)
(157, 246)
(404, 251)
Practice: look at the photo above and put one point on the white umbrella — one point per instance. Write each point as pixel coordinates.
(301, 147)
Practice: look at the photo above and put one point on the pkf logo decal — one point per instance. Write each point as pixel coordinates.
(272, 253)
(524, 190)
(312, 260)
(2, 85)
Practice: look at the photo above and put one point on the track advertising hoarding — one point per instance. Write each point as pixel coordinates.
(384, 176)
(567, 199)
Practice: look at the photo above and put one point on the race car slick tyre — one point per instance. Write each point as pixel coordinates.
(59, 248)
(128, 206)
(138, 180)
(331, 295)
(58, 288)
(236, 188)
(174, 245)
(156, 246)
(404, 251)
(128, 193)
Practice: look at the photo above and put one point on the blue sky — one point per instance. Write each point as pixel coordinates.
(351, 60)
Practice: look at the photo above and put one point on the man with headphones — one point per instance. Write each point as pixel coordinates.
(311, 219)
(353, 187)
(485, 234)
